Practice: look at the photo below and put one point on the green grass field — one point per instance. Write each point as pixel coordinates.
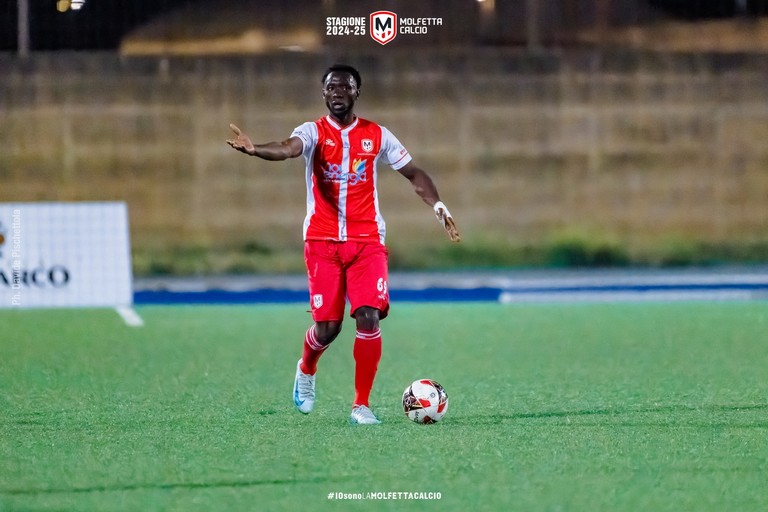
(580, 407)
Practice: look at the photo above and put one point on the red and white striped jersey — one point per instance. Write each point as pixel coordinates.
(341, 171)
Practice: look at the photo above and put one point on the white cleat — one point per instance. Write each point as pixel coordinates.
(361, 415)
(303, 390)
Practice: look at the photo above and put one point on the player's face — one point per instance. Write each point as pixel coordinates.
(340, 92)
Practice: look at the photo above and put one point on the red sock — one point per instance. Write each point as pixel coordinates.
(312, 352)
(367, 352)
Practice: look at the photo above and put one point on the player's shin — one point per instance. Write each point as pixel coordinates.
(367, 353)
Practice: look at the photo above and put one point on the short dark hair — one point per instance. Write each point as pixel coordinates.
(343, 68)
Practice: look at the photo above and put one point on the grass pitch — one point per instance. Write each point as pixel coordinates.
(552, 407)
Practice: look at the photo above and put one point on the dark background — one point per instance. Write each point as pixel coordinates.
(98, 25)
(101, 24)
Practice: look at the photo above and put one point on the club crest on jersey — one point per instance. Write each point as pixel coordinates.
(367, 145)
(357, 172)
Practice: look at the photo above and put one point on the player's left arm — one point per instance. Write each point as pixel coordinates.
(426, 189)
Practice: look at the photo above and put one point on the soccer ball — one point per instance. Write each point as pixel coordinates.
(425, 401)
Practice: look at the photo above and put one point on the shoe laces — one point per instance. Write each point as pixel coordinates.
(306, 385)
(363, 412)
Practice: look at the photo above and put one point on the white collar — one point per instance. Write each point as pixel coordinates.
(339, 127)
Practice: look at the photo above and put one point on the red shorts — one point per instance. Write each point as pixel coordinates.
(345, 270)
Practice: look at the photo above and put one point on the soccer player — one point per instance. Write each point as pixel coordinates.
(344, 231)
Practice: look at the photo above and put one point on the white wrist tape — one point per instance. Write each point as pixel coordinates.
(440, 206)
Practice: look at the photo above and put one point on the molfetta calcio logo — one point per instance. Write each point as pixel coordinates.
(382, 26)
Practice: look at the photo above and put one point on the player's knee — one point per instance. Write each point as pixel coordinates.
(367, 318)
(326, 332)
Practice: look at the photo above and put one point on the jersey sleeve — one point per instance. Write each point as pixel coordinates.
(307, 132)
(393, 152)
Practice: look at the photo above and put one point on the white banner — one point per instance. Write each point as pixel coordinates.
(65, 255)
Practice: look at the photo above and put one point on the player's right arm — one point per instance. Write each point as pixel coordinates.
(289, 148)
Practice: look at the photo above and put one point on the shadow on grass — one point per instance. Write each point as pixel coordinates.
(491, 419)
(224, 484)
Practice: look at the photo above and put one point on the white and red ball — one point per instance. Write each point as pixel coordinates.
(425, 401)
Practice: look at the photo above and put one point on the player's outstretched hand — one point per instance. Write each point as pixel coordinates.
(241, 142)
(445, 218)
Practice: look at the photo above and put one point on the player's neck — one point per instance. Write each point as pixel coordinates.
(345, 120)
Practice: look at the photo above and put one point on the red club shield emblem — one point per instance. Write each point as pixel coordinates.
(383, 26)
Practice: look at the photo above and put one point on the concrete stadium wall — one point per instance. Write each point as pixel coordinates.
(635, 148)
